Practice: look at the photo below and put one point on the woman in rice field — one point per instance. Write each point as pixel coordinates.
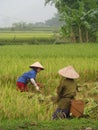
(29, 76)
(66, 91)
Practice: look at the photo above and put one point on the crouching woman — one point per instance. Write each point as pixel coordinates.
(66, 91)
(29, 76)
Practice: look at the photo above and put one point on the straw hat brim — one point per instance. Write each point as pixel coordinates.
(69, 72)
(37, 65)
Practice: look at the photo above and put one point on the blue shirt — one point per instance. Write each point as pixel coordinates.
(27, 76)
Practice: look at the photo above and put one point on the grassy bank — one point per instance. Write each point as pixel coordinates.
(72, 124)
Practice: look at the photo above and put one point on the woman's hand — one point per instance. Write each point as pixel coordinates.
(40, 85)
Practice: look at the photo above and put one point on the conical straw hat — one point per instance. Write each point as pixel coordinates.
(69, 72)
(37, 64)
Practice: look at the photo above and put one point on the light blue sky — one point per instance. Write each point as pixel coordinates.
(29, 11)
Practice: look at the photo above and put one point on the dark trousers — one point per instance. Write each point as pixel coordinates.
(60, 114)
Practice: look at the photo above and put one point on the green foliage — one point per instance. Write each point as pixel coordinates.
(80, 17)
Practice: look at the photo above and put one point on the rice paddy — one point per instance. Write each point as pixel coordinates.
(15, 60)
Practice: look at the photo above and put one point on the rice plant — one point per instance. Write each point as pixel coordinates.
(15, 60)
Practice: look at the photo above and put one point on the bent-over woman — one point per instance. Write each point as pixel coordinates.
(66, 91)
(29, 76)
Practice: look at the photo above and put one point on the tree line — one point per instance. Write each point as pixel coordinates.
(49, 25)
(80, 19)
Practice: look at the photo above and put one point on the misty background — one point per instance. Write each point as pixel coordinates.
(29, 11)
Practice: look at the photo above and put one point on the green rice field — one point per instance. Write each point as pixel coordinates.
(33, 37)
(15, 60)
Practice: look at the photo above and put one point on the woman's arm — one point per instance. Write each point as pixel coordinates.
(34, 83)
